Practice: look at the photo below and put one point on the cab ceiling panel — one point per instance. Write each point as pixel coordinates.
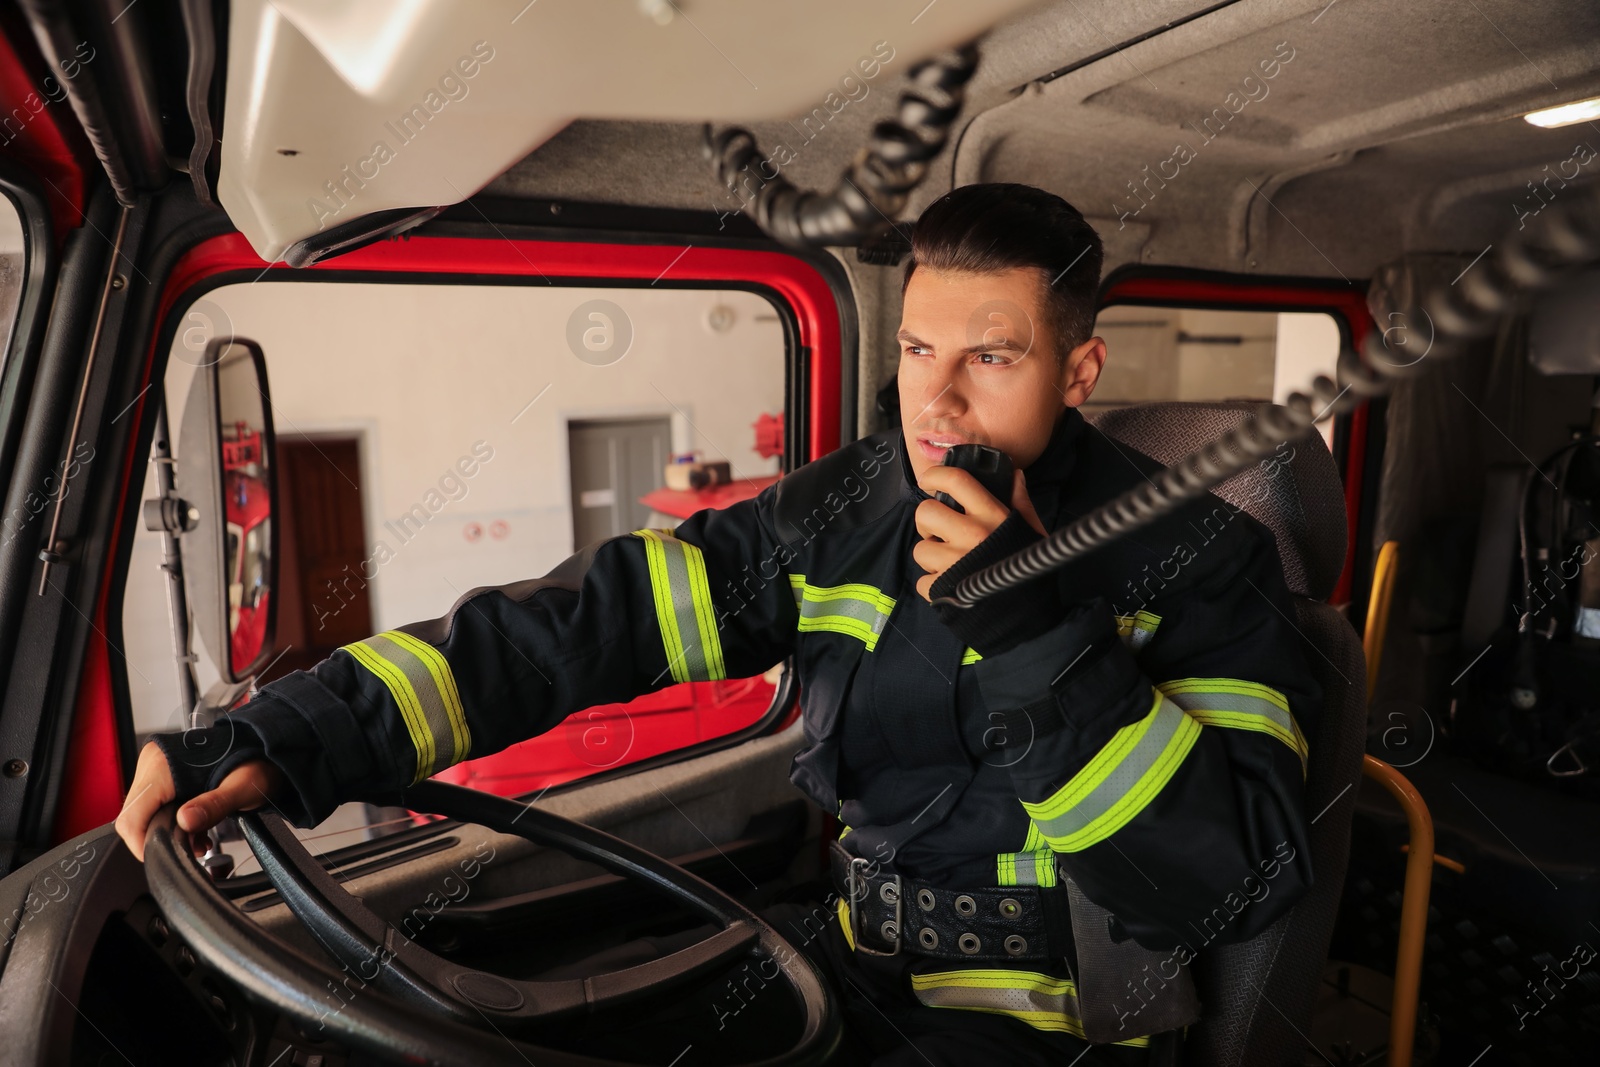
(338, 110)
(660, 163)
(1302, 136)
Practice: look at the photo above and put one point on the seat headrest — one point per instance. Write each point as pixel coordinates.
(1305, 510)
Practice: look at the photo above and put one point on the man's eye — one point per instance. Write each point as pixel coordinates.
(916, 350)
(993, 359)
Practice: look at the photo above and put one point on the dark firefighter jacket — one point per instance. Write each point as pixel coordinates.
(1173, 796)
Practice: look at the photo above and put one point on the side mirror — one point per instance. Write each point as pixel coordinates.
(225, 471)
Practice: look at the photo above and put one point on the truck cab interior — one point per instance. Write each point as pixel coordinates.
(315, 316)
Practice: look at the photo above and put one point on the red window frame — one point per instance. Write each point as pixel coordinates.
(1347, 304)
(94, 778)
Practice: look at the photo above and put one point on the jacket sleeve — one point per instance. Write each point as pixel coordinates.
(1171, 786)
(623, 617)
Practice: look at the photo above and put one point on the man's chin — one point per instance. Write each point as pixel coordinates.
(920, 461)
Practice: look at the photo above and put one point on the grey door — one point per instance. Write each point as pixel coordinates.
(614, 463)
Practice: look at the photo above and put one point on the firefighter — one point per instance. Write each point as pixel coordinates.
(1051, 801)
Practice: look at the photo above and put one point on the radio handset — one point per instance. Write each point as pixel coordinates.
(990, 466)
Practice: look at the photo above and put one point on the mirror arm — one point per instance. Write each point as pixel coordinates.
(170, 516)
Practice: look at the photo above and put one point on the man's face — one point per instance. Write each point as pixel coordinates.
(978, 366)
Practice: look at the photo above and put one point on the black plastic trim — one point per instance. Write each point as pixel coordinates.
(357, 233)
(33, 629)
(58, 38)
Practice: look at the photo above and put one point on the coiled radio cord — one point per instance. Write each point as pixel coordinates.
(873, 189)
(1566, 238)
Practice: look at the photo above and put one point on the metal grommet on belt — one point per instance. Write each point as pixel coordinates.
(965, 905)
(929, 937)
(925, 899)
(890, 931)
(1016, 945)
(969, 943)
(889, 892)
(1009, 908)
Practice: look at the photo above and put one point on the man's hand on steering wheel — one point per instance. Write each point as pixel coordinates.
(245, 787)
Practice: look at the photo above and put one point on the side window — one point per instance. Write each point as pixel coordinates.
(436, 437)
(1170, 353)
(12, 258)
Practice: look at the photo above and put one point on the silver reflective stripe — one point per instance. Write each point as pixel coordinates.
(683, 606)
(1124, 776)
(853, 609)
(684, 610)
(1238, 704)
(1018, 1001)
(848, 607)
(1024, 868)
(1041, 1001)
(1137, 629)
(419, 679)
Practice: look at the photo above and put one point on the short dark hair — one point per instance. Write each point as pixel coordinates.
(999, 226)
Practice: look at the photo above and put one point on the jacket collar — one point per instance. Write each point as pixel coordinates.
(1044, 477)
(1048, 475)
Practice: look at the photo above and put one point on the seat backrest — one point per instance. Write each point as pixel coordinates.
(1258, 995)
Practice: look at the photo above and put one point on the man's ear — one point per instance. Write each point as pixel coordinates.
(1081, 370)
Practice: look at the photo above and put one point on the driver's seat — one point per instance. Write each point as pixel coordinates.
(1258, 996)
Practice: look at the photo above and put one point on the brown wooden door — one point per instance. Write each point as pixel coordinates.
(323, 549)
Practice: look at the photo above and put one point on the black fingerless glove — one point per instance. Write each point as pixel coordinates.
(999, 622)
(200, 758)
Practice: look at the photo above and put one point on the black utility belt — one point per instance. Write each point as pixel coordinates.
(888, 912)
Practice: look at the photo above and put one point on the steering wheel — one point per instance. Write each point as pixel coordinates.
(412, 1005)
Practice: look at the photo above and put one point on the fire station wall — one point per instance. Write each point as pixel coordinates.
(439, 380)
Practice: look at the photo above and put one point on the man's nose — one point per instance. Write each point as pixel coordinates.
(943, 395)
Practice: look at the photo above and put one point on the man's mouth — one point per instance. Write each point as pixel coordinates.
(935, 445)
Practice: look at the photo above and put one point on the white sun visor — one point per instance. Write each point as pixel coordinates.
(337, 109)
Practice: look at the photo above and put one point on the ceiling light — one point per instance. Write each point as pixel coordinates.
(1566, 114)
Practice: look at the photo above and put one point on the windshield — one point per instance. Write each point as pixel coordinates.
(432, 438)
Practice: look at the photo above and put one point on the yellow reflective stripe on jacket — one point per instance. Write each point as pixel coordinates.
(684, 611)
(971, 655)
(843, 908)
(1031, 867)
(1122, 778)
(419, 678)
(852, 609)
(1035, 864)
(1239, 705)
(1042, 1001)
(1137, 629)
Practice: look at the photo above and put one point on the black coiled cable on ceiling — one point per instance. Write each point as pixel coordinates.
(873, 189)
(1566, 238)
